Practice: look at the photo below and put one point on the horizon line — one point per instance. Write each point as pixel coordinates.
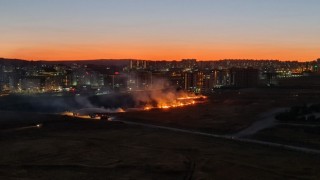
(96, 59)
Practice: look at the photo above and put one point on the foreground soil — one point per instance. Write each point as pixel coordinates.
(85, 149)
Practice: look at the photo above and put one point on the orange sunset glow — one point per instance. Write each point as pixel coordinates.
(155, 52)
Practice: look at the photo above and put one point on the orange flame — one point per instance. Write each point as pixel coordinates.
(179, 102)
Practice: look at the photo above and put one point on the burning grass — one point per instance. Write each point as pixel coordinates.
(145, 104)
(178, 102)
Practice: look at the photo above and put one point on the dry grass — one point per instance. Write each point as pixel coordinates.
(104, 150)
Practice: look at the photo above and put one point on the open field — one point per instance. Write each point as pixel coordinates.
(292, 135)
(85, 149)
(226, 112)
(70, 148)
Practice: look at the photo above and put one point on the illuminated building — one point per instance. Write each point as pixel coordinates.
(32, 84)
(190, 81)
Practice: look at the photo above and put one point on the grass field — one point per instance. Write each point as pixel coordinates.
(70, 148)
(84, 149)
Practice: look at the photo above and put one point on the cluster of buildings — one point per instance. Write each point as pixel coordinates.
(17, 76)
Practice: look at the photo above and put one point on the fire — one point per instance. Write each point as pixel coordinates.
(145, 101)
(147, 108)
(178, 102)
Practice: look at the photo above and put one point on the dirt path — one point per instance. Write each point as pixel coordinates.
(267, 120)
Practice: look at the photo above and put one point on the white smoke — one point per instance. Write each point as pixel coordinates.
(161, 93)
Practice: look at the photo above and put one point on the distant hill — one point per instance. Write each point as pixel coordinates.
(21, 62)
(114, 62)
(5, 61)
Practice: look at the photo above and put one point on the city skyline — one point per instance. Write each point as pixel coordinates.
(160, 30)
